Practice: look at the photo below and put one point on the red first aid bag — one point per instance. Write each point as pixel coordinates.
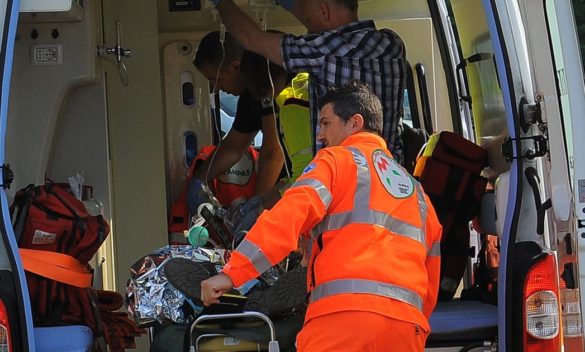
(59, 239)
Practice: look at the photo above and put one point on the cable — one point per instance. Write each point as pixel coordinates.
(280, 140)
(213, 107)
(212, 101)
(213, 111)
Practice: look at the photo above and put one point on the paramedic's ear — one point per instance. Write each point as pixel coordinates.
(234, 66)
(357, 122)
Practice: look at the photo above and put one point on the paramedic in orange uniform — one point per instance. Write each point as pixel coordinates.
(374, 270)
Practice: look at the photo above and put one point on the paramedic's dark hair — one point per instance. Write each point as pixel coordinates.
(210, 51)
(351, 5)
(353, 98)
(253, 68)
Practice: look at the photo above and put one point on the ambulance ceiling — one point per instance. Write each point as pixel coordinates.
(178, 20)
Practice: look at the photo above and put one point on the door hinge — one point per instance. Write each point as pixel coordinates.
(7, 176)
(530, 114)
(538, 149)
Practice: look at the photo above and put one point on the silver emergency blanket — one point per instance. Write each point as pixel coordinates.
(150, 297)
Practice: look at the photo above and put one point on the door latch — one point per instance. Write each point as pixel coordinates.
(530, 114)
(538, 149)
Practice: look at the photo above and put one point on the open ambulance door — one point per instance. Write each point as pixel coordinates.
(535, 286)
(566, 178)
(15, 313)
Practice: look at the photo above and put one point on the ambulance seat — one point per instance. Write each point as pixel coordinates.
(73, 338)
(463, 320)
(457, 321)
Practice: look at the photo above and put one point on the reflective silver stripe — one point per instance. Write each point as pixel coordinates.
(337, 287)
(319, 187)
(254, 255)
(362, 193)
(369, 217)
(435, 250)
(422, 209)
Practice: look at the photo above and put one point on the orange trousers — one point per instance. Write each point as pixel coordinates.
(360, 331)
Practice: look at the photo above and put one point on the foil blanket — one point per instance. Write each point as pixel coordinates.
(151, 298)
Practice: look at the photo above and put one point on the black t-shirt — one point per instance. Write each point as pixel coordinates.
(249, 113)
(248, 119)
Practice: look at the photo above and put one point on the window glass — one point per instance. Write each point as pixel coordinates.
(579, 11)
(407, 116)
(191, 148)
(559, 62)
(228, 107)
(487, 103)
(187, 94)
(187, 89)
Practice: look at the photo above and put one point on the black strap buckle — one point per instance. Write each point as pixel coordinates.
(7, 176)
(539, 148)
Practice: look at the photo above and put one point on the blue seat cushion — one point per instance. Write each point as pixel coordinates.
(463, 320)
(73, 338)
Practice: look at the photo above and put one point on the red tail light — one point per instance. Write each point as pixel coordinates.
(5, 345)
(542, 322)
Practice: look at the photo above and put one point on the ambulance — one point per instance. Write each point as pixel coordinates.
(107, 89)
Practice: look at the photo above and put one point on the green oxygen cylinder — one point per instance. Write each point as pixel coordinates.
(198, 236)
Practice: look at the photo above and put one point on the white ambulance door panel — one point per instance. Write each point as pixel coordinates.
(15, 310)
(551, 47)
(569, 71)
(520, 237)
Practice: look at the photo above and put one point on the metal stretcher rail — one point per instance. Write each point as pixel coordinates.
(272, 344)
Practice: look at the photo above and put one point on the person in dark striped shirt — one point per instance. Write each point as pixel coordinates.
(338, 48)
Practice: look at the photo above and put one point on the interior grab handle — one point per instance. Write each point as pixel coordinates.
(119, 52)
(541, 208)
(424, 97)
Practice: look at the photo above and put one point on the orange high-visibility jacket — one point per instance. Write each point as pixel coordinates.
(375, 235)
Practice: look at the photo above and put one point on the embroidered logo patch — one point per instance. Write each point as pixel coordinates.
(43, 237)
(241, 172)
(309, 168)
(396, 181)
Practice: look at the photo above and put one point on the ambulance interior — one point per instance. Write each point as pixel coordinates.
(130, 123)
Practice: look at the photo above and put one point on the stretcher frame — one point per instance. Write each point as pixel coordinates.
(273, 345)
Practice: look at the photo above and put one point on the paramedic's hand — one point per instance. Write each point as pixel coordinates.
(214, 287)
(195, 195)
(246, 214)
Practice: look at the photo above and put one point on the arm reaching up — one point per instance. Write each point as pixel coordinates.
(248, 33)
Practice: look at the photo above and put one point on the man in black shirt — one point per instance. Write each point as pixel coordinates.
(220, 64)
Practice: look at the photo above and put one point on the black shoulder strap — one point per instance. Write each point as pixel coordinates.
(21, 205)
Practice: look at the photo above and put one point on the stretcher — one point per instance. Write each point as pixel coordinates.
(218, 332)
